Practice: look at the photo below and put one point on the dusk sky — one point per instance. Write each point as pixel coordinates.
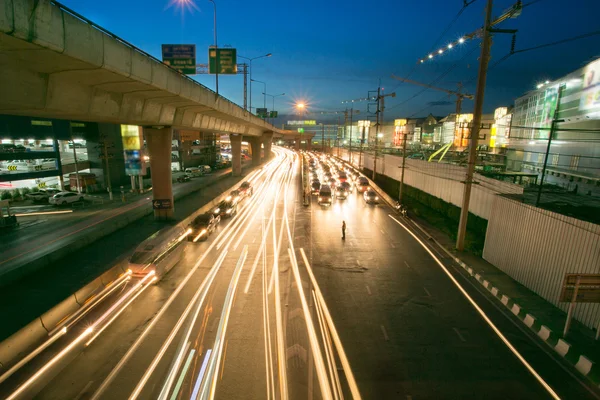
(325, 52)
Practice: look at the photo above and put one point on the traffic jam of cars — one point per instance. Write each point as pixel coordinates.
(332, 180)
(205, 224)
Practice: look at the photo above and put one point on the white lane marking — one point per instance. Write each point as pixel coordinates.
(83, 390)
(483, 315)
(427, 291)
(368, 290)
(393, 245)
(385, 335)
(461, 337)
(382, 231)
(405, 263)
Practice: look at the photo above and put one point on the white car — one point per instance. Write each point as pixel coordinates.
(63, 198)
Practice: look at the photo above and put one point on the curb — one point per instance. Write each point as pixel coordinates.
(579, 361)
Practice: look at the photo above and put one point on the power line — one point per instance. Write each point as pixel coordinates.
(585, 35)
(458, 14)
(435, 80)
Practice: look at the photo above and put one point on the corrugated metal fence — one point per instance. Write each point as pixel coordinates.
(538, 247)
(440, 180)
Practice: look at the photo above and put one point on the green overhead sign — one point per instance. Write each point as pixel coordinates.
(225, 59)
(182, 57)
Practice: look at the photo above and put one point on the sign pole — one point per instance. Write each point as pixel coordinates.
(572, 307)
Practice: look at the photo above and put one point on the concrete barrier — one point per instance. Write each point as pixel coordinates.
(529, 320)
(88, 291)
(562, 347)
(52, 317)
(516, 309)
(544, 333)
(584, 365)
(505, 300)
(21, 343)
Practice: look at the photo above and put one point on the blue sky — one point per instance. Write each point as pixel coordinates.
(328, 51)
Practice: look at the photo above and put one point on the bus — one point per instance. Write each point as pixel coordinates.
(159, 253)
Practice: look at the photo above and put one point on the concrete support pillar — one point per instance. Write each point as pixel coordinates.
(297, 144)
(236, 154)
(159, 149)
(267, 141)
(309, 144)
(255, 148)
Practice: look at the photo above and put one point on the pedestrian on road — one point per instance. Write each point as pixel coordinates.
(343, 230)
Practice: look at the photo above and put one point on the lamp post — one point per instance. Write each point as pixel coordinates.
(216, 48)
(273, 97)
(301, 107)
(250, 60)
(264, 91)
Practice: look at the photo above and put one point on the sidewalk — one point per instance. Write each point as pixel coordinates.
(580, 348)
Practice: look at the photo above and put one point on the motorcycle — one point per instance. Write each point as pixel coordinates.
(401, 208)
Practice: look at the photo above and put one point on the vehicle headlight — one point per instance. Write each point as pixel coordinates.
(217, 210)
(376, 198)
(229, 211)
(320, 199)
(202, 232)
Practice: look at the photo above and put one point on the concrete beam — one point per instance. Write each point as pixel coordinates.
(159, 146)
(256, 150)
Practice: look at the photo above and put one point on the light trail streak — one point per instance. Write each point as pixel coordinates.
(336, 338)
(314, 343)
(182, 376)
(201, 375)
(333, 376)
(201, 290)
(43, 213)
(483, 315)
(76, 316)
(31, 355)
(178, 359)
(116, 315)
(209, 388)
(49, 364)
(156, 319)
(266, 324)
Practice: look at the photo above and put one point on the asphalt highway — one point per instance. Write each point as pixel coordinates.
(275, 305)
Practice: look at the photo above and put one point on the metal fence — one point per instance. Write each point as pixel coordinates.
(538, 247)
(444, 181)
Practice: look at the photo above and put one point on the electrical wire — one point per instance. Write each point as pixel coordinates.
(452, 22)
(585, 35)
(435, 80)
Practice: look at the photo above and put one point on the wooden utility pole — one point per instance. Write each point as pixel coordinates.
(478, 109)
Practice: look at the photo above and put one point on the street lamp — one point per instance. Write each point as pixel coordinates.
(251, 59)
(301, 107)
(264, 97)
(273, 97)
(216, 48)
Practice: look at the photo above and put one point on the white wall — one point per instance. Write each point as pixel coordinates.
(537, 248)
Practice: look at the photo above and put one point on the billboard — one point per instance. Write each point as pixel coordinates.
(130, 136)
(590, 94)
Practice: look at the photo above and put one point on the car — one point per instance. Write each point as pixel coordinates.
(63, 198)
(315, 187)
(341, 193)
(332, 182)
(246, 189)
(342, 177)
(362, 184)
(325, 196)
(235, 195)
(347, 186)
(370, 196)
(202, 226)
(184, 178)
(227, 208)
(38, 197)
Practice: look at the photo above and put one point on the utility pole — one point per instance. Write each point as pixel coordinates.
(106, 156)
(377, 131)
(403, 167)
(350, 145)
(74, 157)
(323, 138)
(555, 120)
(478, 108)
(245, 72)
